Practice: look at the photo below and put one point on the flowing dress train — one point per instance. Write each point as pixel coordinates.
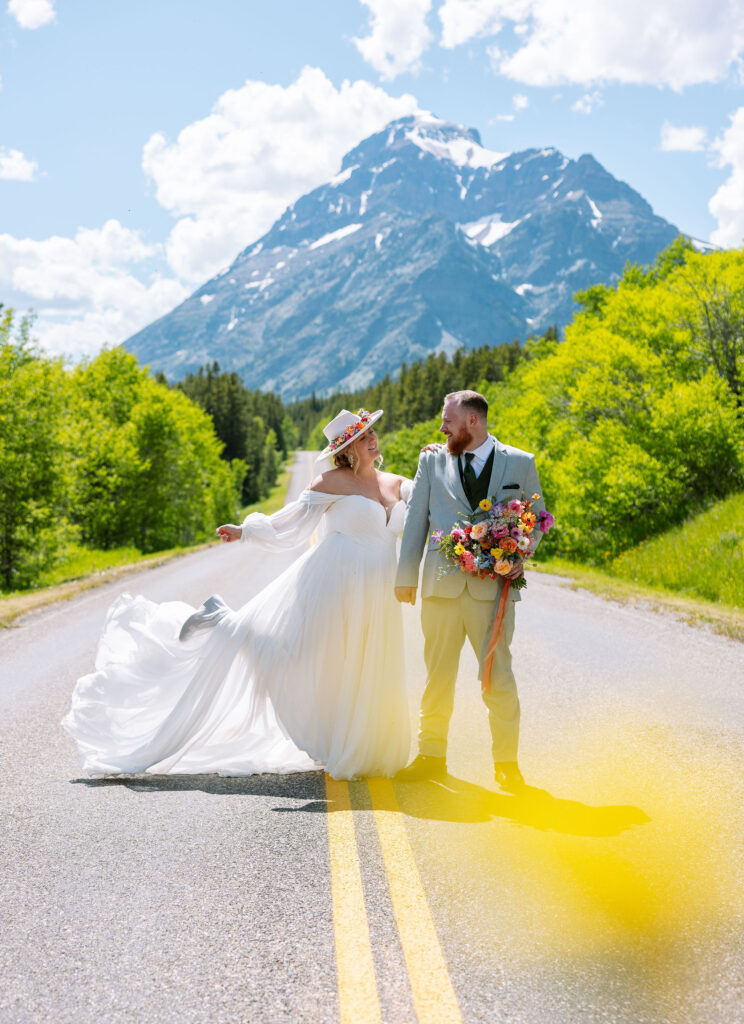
(306, 675)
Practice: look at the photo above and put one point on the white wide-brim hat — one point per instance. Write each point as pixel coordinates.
(345, 428)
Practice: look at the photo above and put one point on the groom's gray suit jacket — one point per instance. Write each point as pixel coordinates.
(437, 500)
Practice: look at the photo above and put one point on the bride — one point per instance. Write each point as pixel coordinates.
(306, 675)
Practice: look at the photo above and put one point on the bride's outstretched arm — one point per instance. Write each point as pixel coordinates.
(290, 526)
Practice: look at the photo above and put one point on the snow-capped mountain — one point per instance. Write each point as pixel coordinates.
(423, 242)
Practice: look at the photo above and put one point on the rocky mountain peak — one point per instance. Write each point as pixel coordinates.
(424, 241)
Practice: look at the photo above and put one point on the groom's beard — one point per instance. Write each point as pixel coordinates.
(458, 443)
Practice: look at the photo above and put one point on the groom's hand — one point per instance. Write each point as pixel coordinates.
(406, 594)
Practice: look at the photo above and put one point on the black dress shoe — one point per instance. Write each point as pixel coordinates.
(508, 776)
(422, 768)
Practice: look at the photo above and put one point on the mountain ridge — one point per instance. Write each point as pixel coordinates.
(424, 241)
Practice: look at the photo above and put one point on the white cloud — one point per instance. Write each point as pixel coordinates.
(520, 102)
(84, 287)
(585, 104)
(465, 19)
(14, 166)
(672, 42)
(225, 178)
(398, 36)
(676, 138)
(228, 176)
(32, 13)
(727, 204)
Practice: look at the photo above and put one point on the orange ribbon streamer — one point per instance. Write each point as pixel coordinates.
(498, 629)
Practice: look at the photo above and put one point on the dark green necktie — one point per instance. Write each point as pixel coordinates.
(469, 477)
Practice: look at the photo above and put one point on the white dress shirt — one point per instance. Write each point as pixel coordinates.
(480, 455)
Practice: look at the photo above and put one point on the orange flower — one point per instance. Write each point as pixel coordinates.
(535, 497)
(508, 544)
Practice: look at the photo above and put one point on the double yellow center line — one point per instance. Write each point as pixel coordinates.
(431, 988)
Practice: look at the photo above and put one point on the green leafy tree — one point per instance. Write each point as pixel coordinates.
(147, 464)
(33, 465)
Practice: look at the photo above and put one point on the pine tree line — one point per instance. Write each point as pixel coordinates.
(415, 394)
(253, 425)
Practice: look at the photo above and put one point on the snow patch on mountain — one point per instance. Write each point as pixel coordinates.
(333, 236)
(488, 230)
(343, 176)
(461, 151)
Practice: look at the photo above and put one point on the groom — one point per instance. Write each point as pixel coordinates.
(449, 481)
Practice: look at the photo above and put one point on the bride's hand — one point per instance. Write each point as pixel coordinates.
(435, 446)
(229, 532)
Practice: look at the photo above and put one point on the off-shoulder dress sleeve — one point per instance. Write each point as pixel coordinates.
(291, 525)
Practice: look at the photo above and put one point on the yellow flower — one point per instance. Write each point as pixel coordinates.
(459, 549)
(486, 505)
(497, 552)
(535, 497)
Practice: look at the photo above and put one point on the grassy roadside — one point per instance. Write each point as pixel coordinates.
(93, 568)
(728, 621)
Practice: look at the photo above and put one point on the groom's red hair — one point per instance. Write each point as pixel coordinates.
(471, 401)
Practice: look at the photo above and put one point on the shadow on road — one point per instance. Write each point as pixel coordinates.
(451, 799)
(454, 799)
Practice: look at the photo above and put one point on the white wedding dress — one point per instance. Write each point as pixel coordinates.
(306, 675)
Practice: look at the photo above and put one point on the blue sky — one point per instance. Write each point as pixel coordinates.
(143, 144)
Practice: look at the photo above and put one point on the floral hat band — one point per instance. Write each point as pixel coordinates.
(352, 430)
(345, 428)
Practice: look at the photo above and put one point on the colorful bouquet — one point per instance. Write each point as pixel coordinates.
(495, 540)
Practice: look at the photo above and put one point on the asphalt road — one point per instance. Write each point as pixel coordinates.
(612, 892)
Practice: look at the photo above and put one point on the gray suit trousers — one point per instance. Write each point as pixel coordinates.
(446, 622)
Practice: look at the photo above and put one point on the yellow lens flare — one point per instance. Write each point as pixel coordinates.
(624, 866)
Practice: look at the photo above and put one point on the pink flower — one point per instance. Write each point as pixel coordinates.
(515, 505)
(500, 531)
(515, 532)
(467, 561)
(479, 531)
(458, 534)
(547, 522)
